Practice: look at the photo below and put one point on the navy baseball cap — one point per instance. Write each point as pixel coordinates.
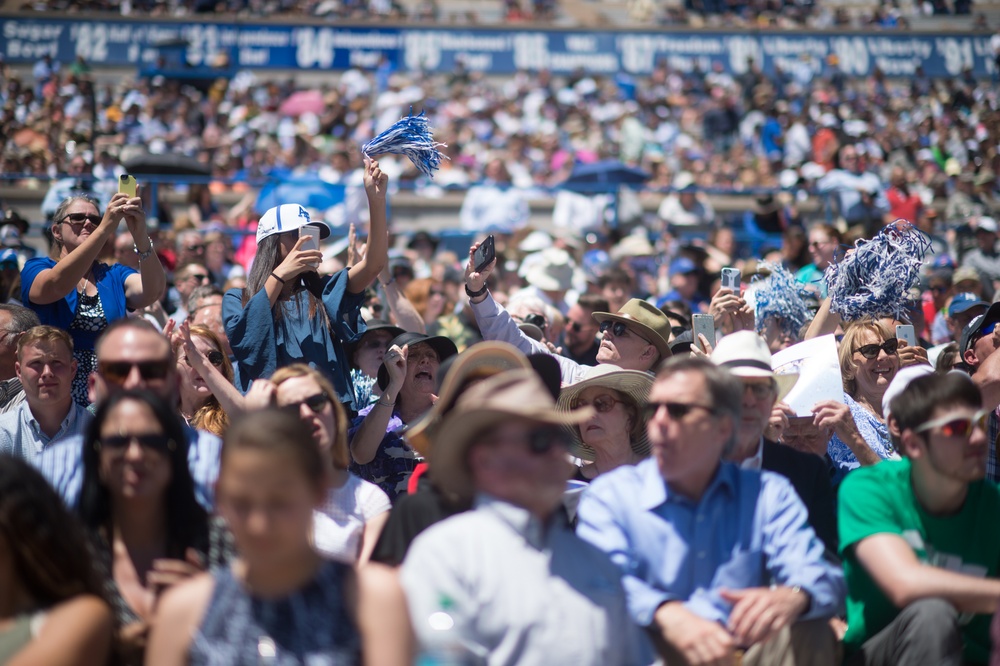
(974, 327)
(964, 301)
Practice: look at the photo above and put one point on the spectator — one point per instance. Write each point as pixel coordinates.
(274, 321)
(963, 309)
(921, 572)
(904, 203)
(685, 207)
(281, 594)
(615, 433)
(503, 443)
(759, 579)
(980, 339)
(204, 307)
(205, 379)
(616, 287)
(684, 286)
(15, 320)
(580, 341)
(63, 618)
(349, 521)
(187, 278)
(138, 505)
(985, 258)
(45, 367)
(80, 294)
(824, 243)
(407, 381)
(858, 195)
(132, 355)
(746, 355)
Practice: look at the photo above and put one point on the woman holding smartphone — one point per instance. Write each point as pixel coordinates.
(80, 294)
(287, 312)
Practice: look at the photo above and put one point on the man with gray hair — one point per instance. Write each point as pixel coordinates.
(716, 560)
(15, 320)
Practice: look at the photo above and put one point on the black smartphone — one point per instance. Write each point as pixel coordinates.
(484, 254)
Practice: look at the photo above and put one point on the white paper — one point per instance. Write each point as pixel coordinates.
(819, 373)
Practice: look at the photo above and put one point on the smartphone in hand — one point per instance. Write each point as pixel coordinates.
(906, 336)
(127, 185)
(484, 254)
(703, 324)
(310, 231)
(731, 279)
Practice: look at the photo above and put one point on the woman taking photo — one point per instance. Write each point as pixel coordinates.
(138, 505)
(407, 380)
(616, 434)
(280, 601)
(82, 295)
(349, 521)
(287, 312)
(51, 606)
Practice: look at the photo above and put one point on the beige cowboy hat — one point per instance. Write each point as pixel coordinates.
(481, 360)
(745, 354)
(634, 384)
(510, 395)
(648, 320)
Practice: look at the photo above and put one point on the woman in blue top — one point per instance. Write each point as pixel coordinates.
(82, 295)
(287, 313)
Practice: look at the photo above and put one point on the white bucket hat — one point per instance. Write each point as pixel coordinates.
(746, 354)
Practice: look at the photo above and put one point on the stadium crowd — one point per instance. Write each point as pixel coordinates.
(598, 444)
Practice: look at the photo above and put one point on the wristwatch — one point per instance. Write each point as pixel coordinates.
(143, 256)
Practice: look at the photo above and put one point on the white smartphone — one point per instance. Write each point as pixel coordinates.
(731, 279)
(703, 324)
(312, 231)
(906, 335)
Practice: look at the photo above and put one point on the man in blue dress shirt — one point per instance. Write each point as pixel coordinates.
(715, 560)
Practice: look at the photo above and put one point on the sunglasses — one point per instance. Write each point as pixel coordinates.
(940, 289)
(957, 426)
(315, 403)
(198, 277)
(536, 319)
(675, 410)
(678, 330)
(986, 330)
(77, 219)
(543, 440)
(117, 372)
(214, 357)
(871, 351)
(602, 404)
(195, 248)
(119, 443)
(574, 326)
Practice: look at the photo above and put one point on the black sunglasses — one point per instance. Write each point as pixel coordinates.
(675, 410)
(117, 372)
(214, 357)
(160, 443)
(536, 319)
(871, 351)
(617, 327)
(678, 330)
(200, 277)
(77, 219)
(315, 403)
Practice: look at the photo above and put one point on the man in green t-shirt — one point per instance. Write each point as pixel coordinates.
(918, 536)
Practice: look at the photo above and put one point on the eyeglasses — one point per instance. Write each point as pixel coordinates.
(760, 391)
(199, 277)
(602, 403)
(675, 410)
(871, 351)
(119, 443)
(214, 357)
(315, 403)
(957, 426)
(117, 372)
(195, 248)
(77, 219)
(619, 329)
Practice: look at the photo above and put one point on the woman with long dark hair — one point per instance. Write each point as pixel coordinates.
(76, 291)
(287, 312)
(51, 605)
(138, 506)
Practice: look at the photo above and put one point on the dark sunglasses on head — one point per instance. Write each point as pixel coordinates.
(543, 440)
(871, 351)
(602, 403)
(957, 426)
(675, 410)
(536, 319)
(214, 357)
(315, 403)
(117, 372)
(160, 443)
(80, 218)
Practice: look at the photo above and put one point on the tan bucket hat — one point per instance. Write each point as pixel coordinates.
(511, 395)
(647, 319)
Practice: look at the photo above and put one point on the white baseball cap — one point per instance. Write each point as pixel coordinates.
(287, 217)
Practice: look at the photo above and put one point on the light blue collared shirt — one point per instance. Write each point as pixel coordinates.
(21, 436)
(62, 464)
(749, 529)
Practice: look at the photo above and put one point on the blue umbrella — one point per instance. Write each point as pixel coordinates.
(308, 191)
(604, 177)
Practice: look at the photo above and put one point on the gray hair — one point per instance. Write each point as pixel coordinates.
(22, 319)
(60, 212)
(204, 291)
(725, 390)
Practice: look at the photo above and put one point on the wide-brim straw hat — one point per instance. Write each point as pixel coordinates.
(480, 361)
(634, 384)
(746, 354)
(648, 320)
(512, 395)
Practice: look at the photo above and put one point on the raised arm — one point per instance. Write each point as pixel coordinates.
(147, 287)
(367, 269)
(368, 437)
(399, 305)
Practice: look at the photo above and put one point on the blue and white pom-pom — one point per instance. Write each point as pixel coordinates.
(873, 281)
(364, 393)
(410, 136)
(781, 298)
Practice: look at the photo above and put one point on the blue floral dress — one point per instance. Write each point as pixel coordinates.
(873, 431)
